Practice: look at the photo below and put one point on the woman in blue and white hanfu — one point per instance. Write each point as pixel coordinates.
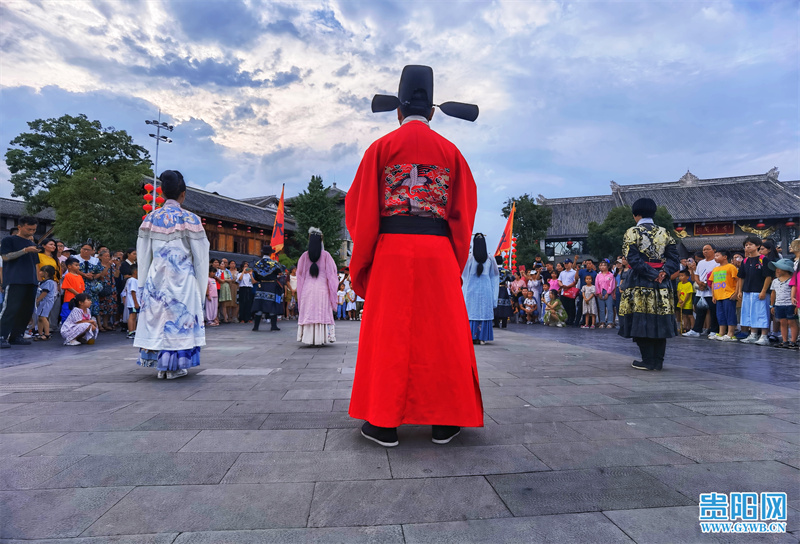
(172, 253)
(480, 283)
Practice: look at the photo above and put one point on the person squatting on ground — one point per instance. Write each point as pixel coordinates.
(480, 283)
(79, 327)
(20, 257)
(646, 311)
(267, 292)
(172, 253)
(316, 291)
(412, 207)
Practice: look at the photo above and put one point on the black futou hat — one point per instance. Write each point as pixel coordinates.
(415, 97)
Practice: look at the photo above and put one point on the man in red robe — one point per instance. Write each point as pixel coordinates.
(410, 212)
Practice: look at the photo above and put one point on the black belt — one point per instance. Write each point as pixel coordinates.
(414, 224)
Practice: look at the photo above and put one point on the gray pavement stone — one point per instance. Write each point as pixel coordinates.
(22, 443)
(144, 469)
(388, 534)
(588, 490)
(525, 433)
(119, 421)
(312, 394)
(341, 405)
(536, 414)
(605, 453)
(163, 538)
(752, 476)
(677, 397)
(111, 443)
(730, 447)
(387, 502)
(168, 422)
(317, 420)
(279, 406)
(236, 394)
(10, 421)
(678, 525)
(65, 408)
(794, 418)
(10, 406)
(54, 513)
(742, 424)
(206, 508)
(257, 441)
(793, 437)
(183, 407)
(639, 411)
(318, 466)
(635, 428)
(30, 472)
(50, 396)
(720, 408)
(589, 527)
(462, 461)
(581, 399)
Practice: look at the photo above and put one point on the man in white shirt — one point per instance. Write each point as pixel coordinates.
(700, 275)
(245, 281)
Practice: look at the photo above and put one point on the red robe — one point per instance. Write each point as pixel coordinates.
(416, 361)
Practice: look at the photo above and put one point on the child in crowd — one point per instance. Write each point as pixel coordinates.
(588, 293)
(351, 304)
(79, 327)
(131, 300)
(605, 285)
(723, 292)
(794, 283)
(755, 277)
(783, 310)
(685, 293)
(555, 314)
(530, 307)
(340, 296)
(212, 298)
(72, 285)
(44, 302)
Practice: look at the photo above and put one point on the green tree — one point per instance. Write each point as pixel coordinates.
(98, 204)
(56, 149)
(531, 222)
(605, 239)
(314, 208)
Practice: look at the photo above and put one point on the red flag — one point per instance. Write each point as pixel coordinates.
(277, 230)
(505, 240)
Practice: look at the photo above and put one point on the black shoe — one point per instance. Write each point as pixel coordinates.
(4, 343)
(385, 436)
(274, 329)
(639, 365)
(442, 434)
(19, 341)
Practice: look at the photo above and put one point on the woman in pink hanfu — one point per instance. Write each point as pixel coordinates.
(317, 282)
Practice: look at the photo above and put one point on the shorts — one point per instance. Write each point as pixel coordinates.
(755, 312)
(132, 310)
(687, 312)
(726, 312)
(785, 312)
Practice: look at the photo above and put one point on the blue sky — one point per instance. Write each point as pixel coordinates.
(572, 94)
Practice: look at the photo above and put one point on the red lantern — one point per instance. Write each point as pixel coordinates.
(679, 229)
(569, 243)
(261, 232)
(204, 220)
(148, 197)
(248, 230)
(761, 224)
(160, 200)
(219, 224)
(158, 190)
(234, 227)
(790, 223)
(148, 187)
(148, 208)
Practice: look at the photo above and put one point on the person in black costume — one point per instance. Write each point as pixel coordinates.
(267, 292)
(503, 310)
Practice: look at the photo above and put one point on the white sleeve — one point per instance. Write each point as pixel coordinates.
(144, 256)
(201, 260)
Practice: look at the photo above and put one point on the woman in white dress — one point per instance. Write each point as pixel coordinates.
(172, 253)
(317, 282)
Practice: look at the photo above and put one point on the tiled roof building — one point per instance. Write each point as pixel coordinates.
(722, 210)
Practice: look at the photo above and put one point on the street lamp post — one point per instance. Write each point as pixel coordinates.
(159, 126)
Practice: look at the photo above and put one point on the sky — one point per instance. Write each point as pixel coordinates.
(572, 95)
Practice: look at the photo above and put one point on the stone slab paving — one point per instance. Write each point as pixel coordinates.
(256, 446)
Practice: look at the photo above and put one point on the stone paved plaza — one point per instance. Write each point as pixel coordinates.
(255, 446)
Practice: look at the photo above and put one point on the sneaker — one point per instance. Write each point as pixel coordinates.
(385, 436)
(727, 338)
(720, 337)
(132, 334)
(691, 334)
(483, 343)
(161, 374)
(442, 434)
(752, 339)
(712, 335)
(591, 327)
(560, 325)
(706, 332)
(4, 343)
(179, 374)
(763, 341)
(72, 343)
(584, 326)
(638, 365)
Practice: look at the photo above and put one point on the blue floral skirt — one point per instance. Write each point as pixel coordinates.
(482, 330)
(169, 360)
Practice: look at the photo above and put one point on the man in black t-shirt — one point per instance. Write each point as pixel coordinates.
(20, 257)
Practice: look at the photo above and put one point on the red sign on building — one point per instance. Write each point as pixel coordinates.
(713, 229)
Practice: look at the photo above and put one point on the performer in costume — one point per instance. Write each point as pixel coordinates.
(502, 309)
(480, 284)
(646, 309)
(317, 282)
(267, 292)
(172, 254)
(411, 208)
